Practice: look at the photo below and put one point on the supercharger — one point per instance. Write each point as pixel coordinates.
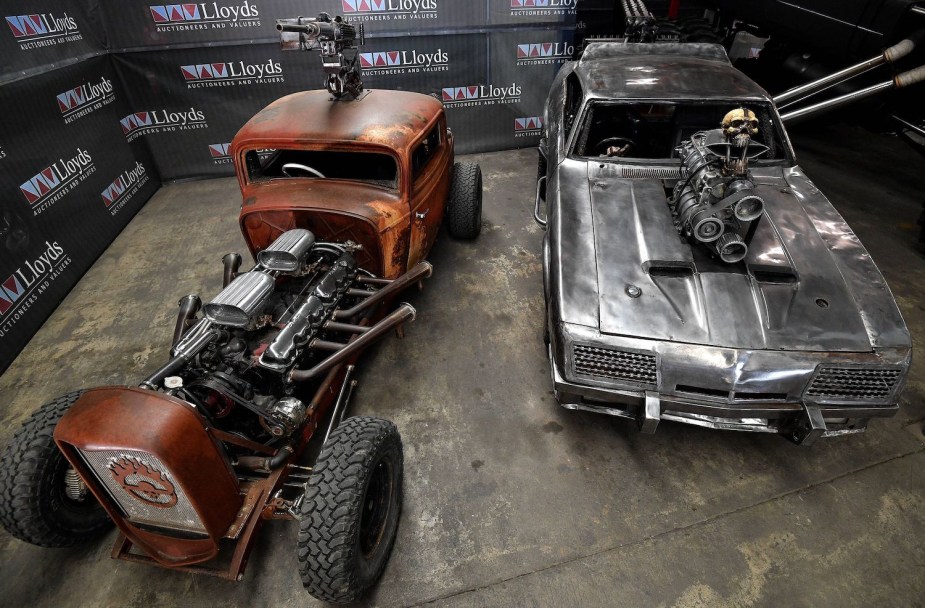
(716, 203)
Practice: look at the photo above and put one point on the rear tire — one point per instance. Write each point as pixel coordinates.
(349, 515)
(464, 207)
(34, 506)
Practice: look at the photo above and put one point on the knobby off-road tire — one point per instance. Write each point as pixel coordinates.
(33, 504)
(464, 207)
(349, 515)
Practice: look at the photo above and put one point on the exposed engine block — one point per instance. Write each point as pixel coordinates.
(275, 330)
(716, 205)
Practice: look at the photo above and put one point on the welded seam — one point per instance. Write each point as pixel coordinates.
(654, 537)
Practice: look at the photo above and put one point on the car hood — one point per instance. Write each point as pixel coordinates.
(806, 283)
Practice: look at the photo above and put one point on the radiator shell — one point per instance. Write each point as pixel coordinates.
(132, 422)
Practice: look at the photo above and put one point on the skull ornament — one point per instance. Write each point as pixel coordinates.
(740, 122)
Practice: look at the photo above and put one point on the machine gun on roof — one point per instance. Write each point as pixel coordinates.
(338, 42)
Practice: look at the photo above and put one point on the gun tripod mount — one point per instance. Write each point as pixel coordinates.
(338, 43)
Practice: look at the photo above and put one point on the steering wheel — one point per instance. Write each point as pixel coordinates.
(288, 166)
(623, 142)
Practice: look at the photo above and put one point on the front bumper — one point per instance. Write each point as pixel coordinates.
(783, 374)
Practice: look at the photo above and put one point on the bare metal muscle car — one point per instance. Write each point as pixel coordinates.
(692, 271)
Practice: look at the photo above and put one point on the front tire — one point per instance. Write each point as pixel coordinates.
(349, 515)
(464, 207)
(34, 503)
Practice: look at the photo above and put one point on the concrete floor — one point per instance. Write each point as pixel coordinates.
(511, 500)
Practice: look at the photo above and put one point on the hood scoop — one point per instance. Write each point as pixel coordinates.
(786, 294)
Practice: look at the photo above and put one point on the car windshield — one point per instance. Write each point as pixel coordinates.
(368, 167)
(653, 130)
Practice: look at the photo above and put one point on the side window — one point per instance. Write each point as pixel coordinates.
(573, 96)
(425, 151)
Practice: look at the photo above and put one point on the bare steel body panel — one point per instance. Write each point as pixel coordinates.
(730, 345)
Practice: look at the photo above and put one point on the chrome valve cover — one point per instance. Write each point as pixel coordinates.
(238, 304)
(288, 252)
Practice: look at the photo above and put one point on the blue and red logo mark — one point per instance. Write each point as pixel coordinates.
(43, 188)
(10, 292)
(482, 94)
(44, 29)
(556, 7)
(136, 121)
(527, 126)
(245, 13)
(528, 123)
(82, 100)
(544, 52)
(156, 121)
(72, 100)
(219, 151)
(15, 291)
(201, 74)
(364, 6)
(414, 9)
(171, 13)
(114, 190)
(44, 183)
(380, 60)
(460, 93)
(404, 61)
(124, 187)
(205, 71)
(27, 26)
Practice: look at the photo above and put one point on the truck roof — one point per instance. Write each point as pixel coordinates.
(662, 70)
(382, 117)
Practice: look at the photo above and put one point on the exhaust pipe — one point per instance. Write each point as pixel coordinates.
(890, 55)
(421, 270)
(189, 306)
(231, 263)
(901, 81)
(403, 313)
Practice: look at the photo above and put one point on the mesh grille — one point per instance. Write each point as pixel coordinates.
(146, 473)
(651, 173)
(638, 368)
(854, 384)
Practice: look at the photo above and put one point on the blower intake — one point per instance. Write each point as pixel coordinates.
(717, 205)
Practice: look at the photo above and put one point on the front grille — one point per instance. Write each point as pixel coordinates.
(147, 493)
(854, 383)
(622, 365)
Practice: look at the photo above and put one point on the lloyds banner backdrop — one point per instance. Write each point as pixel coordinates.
(102, 100)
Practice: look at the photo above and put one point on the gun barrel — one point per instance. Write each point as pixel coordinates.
(309, 29)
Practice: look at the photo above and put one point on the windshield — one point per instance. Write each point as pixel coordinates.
(652, 130)
(368, 167)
